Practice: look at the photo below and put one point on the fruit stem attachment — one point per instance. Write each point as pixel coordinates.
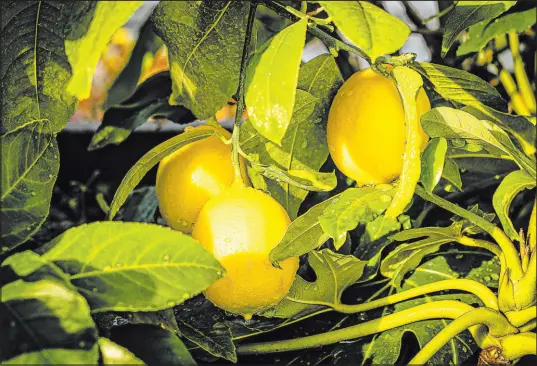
(445, 309)
(235, 138)
(512, 259)
(497, 324)
(328, 40)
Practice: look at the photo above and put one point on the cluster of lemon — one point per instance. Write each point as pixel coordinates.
(241, 225)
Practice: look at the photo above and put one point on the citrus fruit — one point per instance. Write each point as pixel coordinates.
(366, 128)
(189, 177)
(240, 227)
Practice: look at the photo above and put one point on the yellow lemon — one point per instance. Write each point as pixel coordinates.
(240, 227)
(189, 177)
(366, 128)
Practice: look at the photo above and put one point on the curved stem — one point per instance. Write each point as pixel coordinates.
(498, 326)
(509, 251)
(447, 309)
(479, 243)
(532, 228)
(514, 346)
(238, 181)
(327, 39)
(481, 291)
(438, 15)
(520, 317)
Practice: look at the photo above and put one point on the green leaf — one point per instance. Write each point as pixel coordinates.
(385, 349)
(153, 345)
(406, 257)
(271, 81)
(149, 101)
(133, 267)
(141, 205)
(302, 153)
(303, 234)
(29, 169)
(481, 33)
(321, 78)
(204, 324)
(33, 75)
(112, 319)
(460, 86)
(369, 27)
(451, 173)
(456, 124)
(468, 13)
(432, 162)
(148, 161)
(510, 186)
(354, 206)
(46, 322)
(335, 272)
(521, 127)
(114, 354)
(205, 43)
(91, 30)
(486, 162)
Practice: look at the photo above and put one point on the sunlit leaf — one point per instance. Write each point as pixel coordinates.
(480, 34)
(468, 13)
(148, 161)
(114, 354)
(373, 30)
(89, 36)
(205, 42)
(335, 272)
(271, 81)
(153, 345)
(510, 186)
(432, 163)
(354, 206)
(460, 86)
(303, 234)
(302, 152)
(133, 267)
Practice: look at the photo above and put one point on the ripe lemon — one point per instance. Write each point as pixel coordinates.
(366, 128)
(240, 227)
(191, 176)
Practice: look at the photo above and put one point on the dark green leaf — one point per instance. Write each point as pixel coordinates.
(204, 324)
(133, 267)
(112, 319)
(355, 205)
(91, 30)
(480, 34)
(460, 86)
(33, 75)
(114, 354)
(370, 28)
(451, 173)
(141, 205)
(153, 345)
(468, 13)
(335, 272)
(149, 101)
(302, 152)
(148, 161)
(46, 322)
(205, 42)
(303, 234)
(481, 162)
(271, 81)
(510, 186)
(432, 162)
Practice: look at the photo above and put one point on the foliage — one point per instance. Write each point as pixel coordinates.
(128, 291)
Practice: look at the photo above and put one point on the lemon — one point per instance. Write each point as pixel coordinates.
(366, 128)
(240, 227)
(189, 177)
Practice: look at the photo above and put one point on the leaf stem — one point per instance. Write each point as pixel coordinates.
(439, 15)
(512, 258)
(238, 181)
(497, 324)
(481, 291)
(446, 309)
(327, 39)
